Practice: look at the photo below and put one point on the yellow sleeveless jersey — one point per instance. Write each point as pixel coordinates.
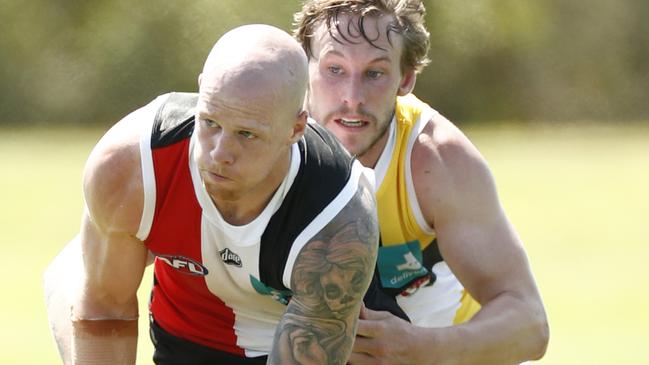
(409, 263)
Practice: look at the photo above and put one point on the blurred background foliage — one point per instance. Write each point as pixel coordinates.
(539, 70)
(91, 62)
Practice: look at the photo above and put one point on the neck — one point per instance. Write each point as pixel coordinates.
(238, 214)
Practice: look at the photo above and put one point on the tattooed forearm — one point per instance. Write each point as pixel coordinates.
(329, 279)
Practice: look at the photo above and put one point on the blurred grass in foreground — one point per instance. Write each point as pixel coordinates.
(578, 195)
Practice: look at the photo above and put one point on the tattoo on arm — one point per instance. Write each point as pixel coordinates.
(329, 280)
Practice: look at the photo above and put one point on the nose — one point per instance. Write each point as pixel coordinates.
(223, 149)
(354, 94)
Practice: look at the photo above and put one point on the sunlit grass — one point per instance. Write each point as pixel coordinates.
(40, 195)
(578, 195)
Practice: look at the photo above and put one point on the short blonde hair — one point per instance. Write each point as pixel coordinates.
(408, 21)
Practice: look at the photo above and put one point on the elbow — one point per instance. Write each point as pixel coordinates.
(541, 336)
(533, 334)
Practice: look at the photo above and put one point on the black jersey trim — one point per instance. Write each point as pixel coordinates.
(174, 120)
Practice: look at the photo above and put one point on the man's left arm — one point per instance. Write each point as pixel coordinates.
(329, 278)
(458, 197)
(483, 250)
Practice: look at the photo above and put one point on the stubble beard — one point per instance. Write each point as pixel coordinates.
(329, 119)
(382, 131)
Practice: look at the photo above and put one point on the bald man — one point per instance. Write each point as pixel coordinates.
(261, 227)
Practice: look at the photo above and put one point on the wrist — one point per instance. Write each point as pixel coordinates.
(438, 346)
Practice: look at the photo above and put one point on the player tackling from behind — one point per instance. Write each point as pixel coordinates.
(445, 238)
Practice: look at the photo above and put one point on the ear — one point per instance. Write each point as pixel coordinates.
(298, 127)
(407, 82)
(200, 78)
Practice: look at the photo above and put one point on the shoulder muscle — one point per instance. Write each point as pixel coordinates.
(448, 171)
(112, 178)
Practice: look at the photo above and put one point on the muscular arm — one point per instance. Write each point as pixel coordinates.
(458, 197)
(330, 276)
(91, 286)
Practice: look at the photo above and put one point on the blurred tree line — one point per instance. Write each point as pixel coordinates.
(73, 61)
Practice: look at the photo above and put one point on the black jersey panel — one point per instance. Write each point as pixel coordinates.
(324, 171)
(172, 350)
(379, 300)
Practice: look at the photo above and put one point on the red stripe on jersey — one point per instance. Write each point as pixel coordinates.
(181, 303)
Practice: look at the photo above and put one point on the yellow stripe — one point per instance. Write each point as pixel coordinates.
(468, 308)
(397, 222)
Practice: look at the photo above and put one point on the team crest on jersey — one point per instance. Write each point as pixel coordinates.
(282, 296)
(184, 264)
(230, 257)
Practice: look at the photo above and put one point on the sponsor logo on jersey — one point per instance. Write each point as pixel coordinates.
(401, 264)
(184, 264)
(230, 257)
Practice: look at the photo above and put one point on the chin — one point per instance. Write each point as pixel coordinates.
(355, 149)
(222, 194)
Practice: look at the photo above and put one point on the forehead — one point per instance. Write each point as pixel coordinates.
(371, 34)
(259, 88)
(235, 109)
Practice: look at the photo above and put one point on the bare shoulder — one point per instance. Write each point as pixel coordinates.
(112, 177)
(330, 277)
(443, 149)
(447, 169)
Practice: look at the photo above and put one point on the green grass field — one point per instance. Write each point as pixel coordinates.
(578, 195)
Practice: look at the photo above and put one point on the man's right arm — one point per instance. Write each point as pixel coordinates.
(329, 279)
(91, 286)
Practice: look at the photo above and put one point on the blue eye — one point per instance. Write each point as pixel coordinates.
(373, 74)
